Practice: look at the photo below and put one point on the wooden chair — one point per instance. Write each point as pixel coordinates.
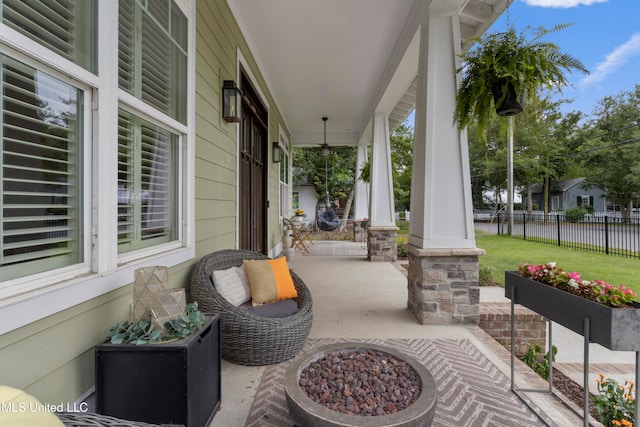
(300, 237)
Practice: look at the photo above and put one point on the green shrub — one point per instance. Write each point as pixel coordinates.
(402, 252)
(403, 227)
(575, 214)
(540, 366)
(485, 276)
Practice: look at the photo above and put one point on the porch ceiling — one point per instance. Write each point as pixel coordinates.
(344, 59)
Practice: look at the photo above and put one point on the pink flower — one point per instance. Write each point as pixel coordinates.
(601, 291)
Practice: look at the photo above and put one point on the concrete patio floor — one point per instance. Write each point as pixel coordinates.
(358, 299)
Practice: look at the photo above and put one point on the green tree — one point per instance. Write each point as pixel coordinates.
(401, 162)
(488, 164)
(401, 143)
(541, 143)
(332, 174)
(478, 157)
(610, 151)
(543, 136)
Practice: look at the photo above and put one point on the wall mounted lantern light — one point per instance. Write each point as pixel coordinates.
(277, 152)
(231, 98)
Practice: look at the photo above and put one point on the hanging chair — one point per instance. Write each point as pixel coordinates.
(326, 217)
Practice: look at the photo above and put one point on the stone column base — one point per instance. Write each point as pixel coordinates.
(443, 285)
(382, 244)
(359, 230)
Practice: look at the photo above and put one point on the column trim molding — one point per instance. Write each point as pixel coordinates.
(429, 252)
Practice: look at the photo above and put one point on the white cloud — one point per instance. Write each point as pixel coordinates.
(614, 60)
(562, 4)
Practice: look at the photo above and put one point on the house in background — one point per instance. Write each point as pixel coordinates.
(305, 198)
(117, 151)
(570, 193)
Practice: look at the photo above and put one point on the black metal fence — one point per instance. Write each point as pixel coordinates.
(611, 235)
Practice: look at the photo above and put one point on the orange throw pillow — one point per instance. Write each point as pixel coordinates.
(270, 280)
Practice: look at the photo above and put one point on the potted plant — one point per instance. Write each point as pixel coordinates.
(505, 68)
(594, 290)
(169, 376)
(567, 299)
(299, 215)
(602, 313)
(163, 365)
(145, 332)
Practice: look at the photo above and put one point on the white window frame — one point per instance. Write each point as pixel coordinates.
(284, 188)
(28, 299)
(149, 114)
(27, 284)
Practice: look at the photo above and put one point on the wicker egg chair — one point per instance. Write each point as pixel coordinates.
(246, 338)
(90, 419)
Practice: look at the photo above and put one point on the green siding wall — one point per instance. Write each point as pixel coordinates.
(217, 42)
(53, 358)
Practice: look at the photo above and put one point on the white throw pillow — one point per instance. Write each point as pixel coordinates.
(233, 285)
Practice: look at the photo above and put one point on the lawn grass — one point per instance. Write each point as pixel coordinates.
(403, 227)
(506, 253)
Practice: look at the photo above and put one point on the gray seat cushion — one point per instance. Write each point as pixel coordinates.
(283, 308)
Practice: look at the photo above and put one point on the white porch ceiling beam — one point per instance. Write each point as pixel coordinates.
(475, 18)
(479, 11)
(346, 60)
(401, 68)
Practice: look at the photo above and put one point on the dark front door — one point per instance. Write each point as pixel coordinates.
(253, 172)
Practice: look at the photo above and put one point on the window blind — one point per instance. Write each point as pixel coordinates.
(152, 62)
(66, 27)
(41, 130)
(147, 190)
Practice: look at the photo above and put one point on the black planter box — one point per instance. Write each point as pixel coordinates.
(169, 383)
(614, 328)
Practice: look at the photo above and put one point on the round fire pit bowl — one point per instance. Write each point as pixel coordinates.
(307, 413)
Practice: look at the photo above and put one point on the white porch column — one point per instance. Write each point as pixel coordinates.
(383, 232)
(443, 259)
(441, 208)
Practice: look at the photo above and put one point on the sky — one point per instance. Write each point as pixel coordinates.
(605, 36)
